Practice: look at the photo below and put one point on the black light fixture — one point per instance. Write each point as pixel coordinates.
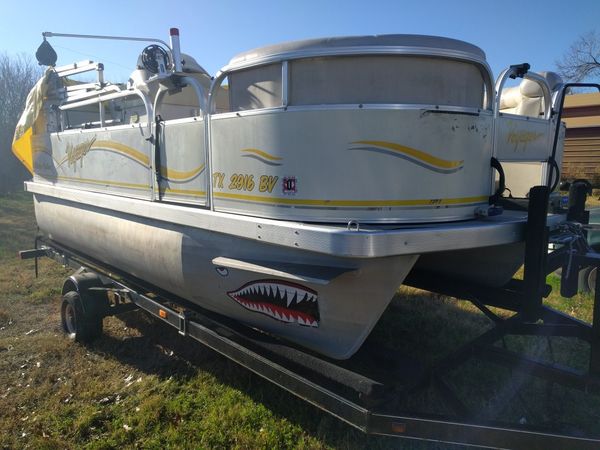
(45, 54)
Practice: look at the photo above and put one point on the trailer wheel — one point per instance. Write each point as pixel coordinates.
(78, 325)
(587, 279)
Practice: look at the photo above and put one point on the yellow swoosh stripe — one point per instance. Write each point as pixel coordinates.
(183, 191)
(132, 152)
(173, 174)
(105, 182)
(355, 203)
(262, 153)
(144, 159)
(131, 185)
(417, 154)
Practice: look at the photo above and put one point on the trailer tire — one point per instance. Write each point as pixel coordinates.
(587, 279)
(78, 325)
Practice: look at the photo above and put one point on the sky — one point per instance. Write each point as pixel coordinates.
(510, 32)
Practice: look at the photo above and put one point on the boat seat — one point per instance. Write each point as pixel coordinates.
(183, 103)
(527, 99)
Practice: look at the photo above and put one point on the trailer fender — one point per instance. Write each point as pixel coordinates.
(93, 302)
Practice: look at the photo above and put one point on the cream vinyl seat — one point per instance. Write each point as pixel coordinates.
(527, 99)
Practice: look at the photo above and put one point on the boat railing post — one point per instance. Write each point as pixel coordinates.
(202, 102)
(162, 90)
(522, 71)
(149, 126)
(499, 85)
(100, 70)
(210, 106)
(285, 80)
(47, 34)
(513, 72)
(201, 95)
(199, 90)
(147, 105)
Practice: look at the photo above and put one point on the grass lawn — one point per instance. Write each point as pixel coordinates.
(143, 386)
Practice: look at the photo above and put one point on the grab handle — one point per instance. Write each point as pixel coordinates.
(522, 71)
(501, 182)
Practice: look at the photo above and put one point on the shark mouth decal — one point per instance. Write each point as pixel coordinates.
(284, 301)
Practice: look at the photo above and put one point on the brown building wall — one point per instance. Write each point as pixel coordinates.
(581, 157)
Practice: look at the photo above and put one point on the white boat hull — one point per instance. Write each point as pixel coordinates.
(331, 314)
(321, 286)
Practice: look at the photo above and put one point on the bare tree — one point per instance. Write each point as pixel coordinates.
(18, 74)
(581, 62)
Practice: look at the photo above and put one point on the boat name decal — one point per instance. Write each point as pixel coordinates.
(418, 157)
(241, 182)
(266, 183)
(284, 301)
(522, 138)
(217, 180)
(78, 151)
(245, 182)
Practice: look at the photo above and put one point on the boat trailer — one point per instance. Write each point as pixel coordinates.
(369, 390)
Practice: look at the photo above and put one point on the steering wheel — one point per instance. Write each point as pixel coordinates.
(153, 56)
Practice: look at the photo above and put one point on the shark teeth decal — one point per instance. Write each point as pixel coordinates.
(283, 301)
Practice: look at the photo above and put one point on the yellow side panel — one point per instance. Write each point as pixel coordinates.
(23, 149)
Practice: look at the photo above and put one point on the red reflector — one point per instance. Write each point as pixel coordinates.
(399, 427)
(162, 313)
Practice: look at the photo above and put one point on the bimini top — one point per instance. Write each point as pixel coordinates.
(379, 44)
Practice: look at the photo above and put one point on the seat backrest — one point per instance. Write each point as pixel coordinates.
(527, 98)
